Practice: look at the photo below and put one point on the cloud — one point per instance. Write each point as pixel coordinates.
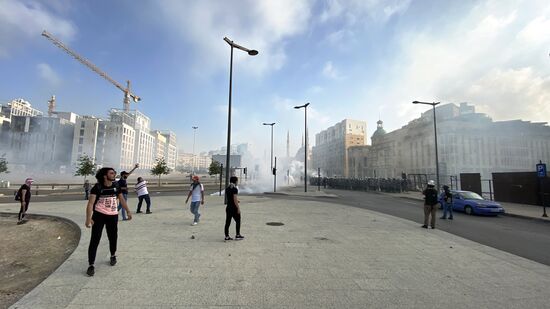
(48, 74)
(261, 25)
(354, 11)
(22, 21)
(329, 71)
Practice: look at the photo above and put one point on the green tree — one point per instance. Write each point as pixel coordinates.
(85, 166)
(160, 168)
(3, 164)
(215, 168)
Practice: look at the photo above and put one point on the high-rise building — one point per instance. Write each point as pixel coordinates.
(330, 152)
(89, 139)
(171, 149)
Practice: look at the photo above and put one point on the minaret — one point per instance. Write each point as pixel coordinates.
(288, 144)
(302, 140)
(51, 106)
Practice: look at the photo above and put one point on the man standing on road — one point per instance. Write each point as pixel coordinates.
(87, 186)
(102, 210)
(232, 211)
(24, 196)
(430, 204)
(143, 194)
(123, 184)
(197, 198)
(446, 199)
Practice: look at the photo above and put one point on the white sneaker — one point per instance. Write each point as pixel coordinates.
(194, 223)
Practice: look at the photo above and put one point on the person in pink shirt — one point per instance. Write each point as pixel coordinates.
(102, 210)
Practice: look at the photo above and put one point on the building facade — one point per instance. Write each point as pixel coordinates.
(330, 152)
(89, 139)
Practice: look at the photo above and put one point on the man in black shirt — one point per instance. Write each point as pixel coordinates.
(24, 196)
(232, 210)
(123, 184)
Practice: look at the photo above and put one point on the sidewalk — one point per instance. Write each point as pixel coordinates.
(511, 209)
(324, 256)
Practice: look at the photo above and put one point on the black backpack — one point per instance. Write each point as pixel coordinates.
(17, 196)
(100, 187)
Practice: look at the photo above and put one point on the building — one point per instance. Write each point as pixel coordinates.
(358, 161)
(171, 149)
(89, 139)
(160, 145)
(119, 145)
(468, 142)
(330, 152)
(194, 162)
(234, 160)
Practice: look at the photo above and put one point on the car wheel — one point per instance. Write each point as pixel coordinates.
(468, 210)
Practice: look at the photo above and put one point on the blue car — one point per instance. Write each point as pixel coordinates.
(472, 203)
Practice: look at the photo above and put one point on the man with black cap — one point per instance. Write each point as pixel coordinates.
(430, 204)
(24, 196)
(123, 184)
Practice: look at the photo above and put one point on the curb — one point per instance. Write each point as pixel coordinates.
(526, 217)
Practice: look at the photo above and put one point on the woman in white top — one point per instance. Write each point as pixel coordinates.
(143, 194)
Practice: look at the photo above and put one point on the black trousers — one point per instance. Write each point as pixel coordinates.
(23, 211)
(111, 225)
(147, 200)
(231, 213)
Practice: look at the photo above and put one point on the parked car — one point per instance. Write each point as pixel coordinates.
(472, 203)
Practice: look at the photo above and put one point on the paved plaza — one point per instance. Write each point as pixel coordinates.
(324, 256)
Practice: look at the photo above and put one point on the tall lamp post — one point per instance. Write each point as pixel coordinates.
(193, 167)
(251, 52)
(306, 149)
(435, 137)
(271, 124)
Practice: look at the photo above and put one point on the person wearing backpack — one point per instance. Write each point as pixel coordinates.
(447, 201)
(24, 196)
(430, 204)
(102, 210)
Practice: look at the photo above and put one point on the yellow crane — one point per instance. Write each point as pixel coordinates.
(127, 93)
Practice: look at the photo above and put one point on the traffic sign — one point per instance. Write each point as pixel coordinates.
(541, 170)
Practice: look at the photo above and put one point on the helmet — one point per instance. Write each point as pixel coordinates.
(431, 183)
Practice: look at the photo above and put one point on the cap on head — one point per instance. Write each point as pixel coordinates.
(196, 178)
(431, 183)
(29, 180)
(124, 173)
(445, 187)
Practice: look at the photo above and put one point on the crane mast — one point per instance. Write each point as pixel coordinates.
(127, 93)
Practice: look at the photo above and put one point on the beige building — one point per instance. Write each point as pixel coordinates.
(330, 152)
(171, 149)
(88, 139)
(196, 162)
(160, 145)
(358, 161)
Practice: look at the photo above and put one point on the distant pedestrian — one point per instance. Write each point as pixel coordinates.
(87, 186)
(233, 210)
(24, 196)
(122, 182)
(446, 199)
(430, 204)
(196, 193)
(143, 194)
(102, 210)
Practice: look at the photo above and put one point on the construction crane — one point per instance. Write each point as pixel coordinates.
(127, 93)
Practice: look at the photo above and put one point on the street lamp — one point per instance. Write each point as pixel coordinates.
(271, 124)
(251, 52)
(193, 167)
(435, 136)
(306, 149)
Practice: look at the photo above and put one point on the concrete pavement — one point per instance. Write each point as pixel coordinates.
(324, 256)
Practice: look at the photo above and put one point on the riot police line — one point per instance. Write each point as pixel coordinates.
(391, 185)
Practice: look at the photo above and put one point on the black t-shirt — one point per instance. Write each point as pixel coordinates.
(430, 196)
(123, 183)
(230, 192)
(106, 198)
(27, 193)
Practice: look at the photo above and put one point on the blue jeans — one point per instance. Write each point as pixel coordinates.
(447, 207)
(195, 210)
(122, 210)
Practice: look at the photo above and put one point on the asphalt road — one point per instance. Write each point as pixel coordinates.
(523, 237)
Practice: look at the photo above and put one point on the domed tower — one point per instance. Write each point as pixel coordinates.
(379, 130)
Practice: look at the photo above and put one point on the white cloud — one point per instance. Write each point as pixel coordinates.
(260, 25)
(21, 21)
(48, 74)
(354, 11)
(329, 71)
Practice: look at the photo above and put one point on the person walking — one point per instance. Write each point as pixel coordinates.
(24, 196)
(446, 199)
(430, 204)
(87, 186)
(122, 182)
(196, 193)
(143, 194)
(101, 211)
(233, 210)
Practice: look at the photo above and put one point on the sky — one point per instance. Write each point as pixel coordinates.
(357, 59)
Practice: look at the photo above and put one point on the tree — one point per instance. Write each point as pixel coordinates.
(85, 166)
(3, 164)
(214, 168)
(160, 168)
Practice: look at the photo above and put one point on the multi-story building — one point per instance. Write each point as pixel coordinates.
(358, 161)
(144, 149)
(171, 149)
(160, 145)
(89, 139)
(330, 152)
(194, 162)
(119, 145)
(468, 142)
